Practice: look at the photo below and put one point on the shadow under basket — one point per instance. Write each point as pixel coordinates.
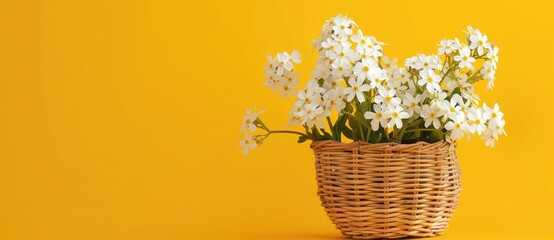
(388, 190)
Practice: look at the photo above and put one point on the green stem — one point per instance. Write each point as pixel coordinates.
(291, 132)
(421, 130)
(401, 134)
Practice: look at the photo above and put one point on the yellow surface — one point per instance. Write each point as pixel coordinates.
(120, 119)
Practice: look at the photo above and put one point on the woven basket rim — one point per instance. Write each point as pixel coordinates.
(362, 143)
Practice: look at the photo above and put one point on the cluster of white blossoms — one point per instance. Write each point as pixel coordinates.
(373, 99)
(279, 75)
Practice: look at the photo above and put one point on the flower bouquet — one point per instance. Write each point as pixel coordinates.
(384, 136)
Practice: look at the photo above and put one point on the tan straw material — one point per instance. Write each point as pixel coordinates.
(388, 190)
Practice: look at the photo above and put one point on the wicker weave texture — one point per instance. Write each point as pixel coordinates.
(388, 190)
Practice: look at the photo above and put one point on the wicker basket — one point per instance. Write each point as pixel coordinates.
(388, 190)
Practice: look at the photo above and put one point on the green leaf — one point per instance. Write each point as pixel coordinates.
(302, 139)
(339, 125)
(326, 135)
(364, 107)
(375, 136)
(316, 134)
(354, 125)
(348, 107)
(348, 132)
(454, 92)
(360, 118)
(436, 136)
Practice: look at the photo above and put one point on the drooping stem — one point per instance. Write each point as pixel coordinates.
(288, 131)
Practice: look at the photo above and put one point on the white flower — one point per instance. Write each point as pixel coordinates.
(455, 44)
(476, 120)
(479, 41)
(342, 55)
(342, 70)
(488, 70)
(294, 119)
(359, 38)
(322, 67)
(396, 115)
(361, 69)
(492, 55)
(364, 44)
(470, 30)
(387, 97)
(356, 89)
(465, 58)
(389, 64)
(403, 75)
(412, 104)
(431, 115)
(498, 129)
(452, 108)
(333, 100)
(248, 121)
(343, 26)
(446, 46)
(248, 143)
(376, 77)
(310, 111)
(311, 92)
(412, 62)
(457, 126)
(489, 138)
(396, 85)
(295, 56)
(330, 44)
(272, 80)
(287, 83)
(287, 89)
(283, 63)
(493, 114)
(426, 62)
(430, 79)
(377, 117)
(464, 105)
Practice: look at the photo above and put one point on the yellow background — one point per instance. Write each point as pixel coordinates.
(120, 119)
